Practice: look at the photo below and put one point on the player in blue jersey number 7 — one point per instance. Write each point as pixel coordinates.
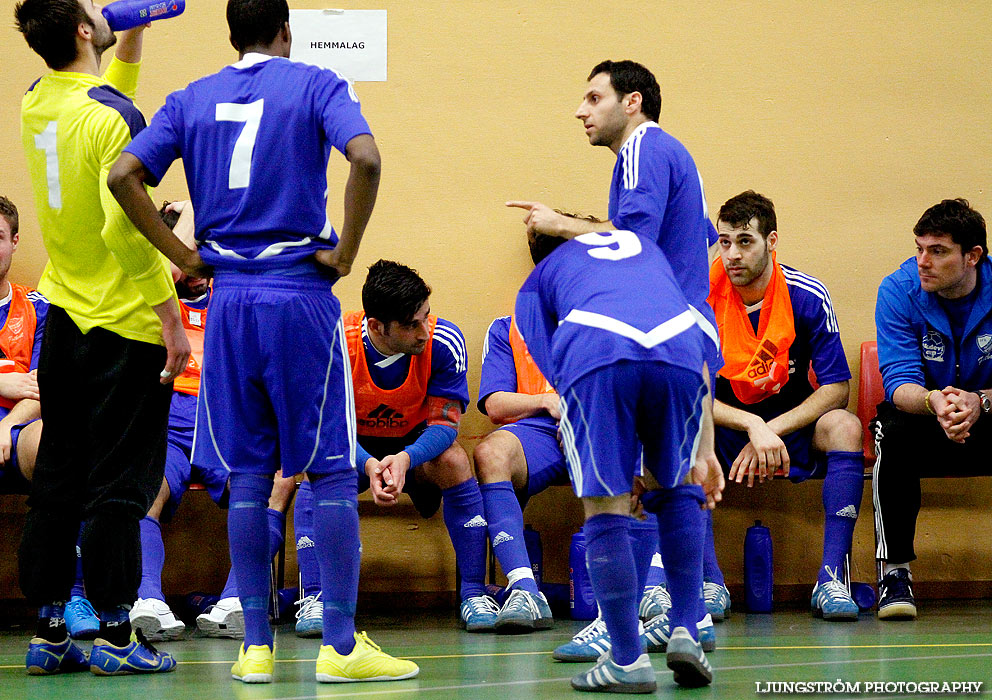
(631, 372)
(275, 387)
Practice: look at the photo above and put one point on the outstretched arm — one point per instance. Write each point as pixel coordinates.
(543, 219)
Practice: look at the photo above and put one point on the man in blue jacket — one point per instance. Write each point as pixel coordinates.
(934, 323)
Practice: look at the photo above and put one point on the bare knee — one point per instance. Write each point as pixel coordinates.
(606, 505)
(838, 430)
(500, 457)
(283, 489)
(449, 469)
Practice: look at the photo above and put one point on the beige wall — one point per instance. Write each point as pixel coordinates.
(853, 117)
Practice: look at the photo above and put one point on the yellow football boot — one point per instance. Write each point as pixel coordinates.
(366, 662)
(255, 665)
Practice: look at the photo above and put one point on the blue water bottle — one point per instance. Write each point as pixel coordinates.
(127, 14)
(535, 552)
(582, 600)
(863, 594)
(758, 568)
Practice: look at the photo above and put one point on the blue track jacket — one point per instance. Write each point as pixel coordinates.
(915, 344)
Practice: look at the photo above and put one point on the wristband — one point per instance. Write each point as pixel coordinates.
(984, 402)
(926, 403)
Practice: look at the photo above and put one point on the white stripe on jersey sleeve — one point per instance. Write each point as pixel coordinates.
(630, 154)
(454, 342)
(625, 154)
(485, 344)
(637, 159)
(817, 289)
(629, 177)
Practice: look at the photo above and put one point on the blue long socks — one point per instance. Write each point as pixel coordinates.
(610, 562)
(711, 569)
(276, 536)
(152, 559)
(681, 526)
(656, 574)
(506, 532)
(306, 547)
(339, 551)
(842, 490)
(643, 543)
(463, 516)
(246, 530)
(78, 589)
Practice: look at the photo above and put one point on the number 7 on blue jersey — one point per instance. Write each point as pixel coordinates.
(239, 175)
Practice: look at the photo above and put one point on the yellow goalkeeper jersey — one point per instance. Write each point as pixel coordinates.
(101, 270)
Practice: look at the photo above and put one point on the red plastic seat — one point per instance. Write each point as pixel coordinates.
(870, 394)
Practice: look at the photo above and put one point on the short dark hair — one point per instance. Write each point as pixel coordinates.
(954, 218)
(542, 245)
(255, 22)
(393, 292)
(49, 26)
(169, 216)
(627, 77)
(739, 210)
(9, 212)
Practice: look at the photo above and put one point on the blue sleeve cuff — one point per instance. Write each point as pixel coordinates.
(361, 457)
(432, 442)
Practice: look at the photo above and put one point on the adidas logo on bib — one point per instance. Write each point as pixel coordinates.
(304, 542)
(848, 512)
(477, 521)
(502, 537)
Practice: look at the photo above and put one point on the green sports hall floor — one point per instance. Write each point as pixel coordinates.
(951, 641)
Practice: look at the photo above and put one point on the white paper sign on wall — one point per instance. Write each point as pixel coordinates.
(352, 42)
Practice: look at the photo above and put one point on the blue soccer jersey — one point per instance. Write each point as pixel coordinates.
(498, 370)
(657, 193)
(817, 342)
(577, 311)
(449, 364)
(255, 140)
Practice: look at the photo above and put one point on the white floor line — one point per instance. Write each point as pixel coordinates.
(716, 670)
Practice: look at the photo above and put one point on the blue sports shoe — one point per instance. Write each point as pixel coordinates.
(310, 617)
(687, 660)
(832, 600)
(656, 634)
(81, 619)
(591, 642)
(137, 657)
(609, 677)
(655, 601)
(478, 614)
(45, 658)
(524, 612)
(717, 599)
